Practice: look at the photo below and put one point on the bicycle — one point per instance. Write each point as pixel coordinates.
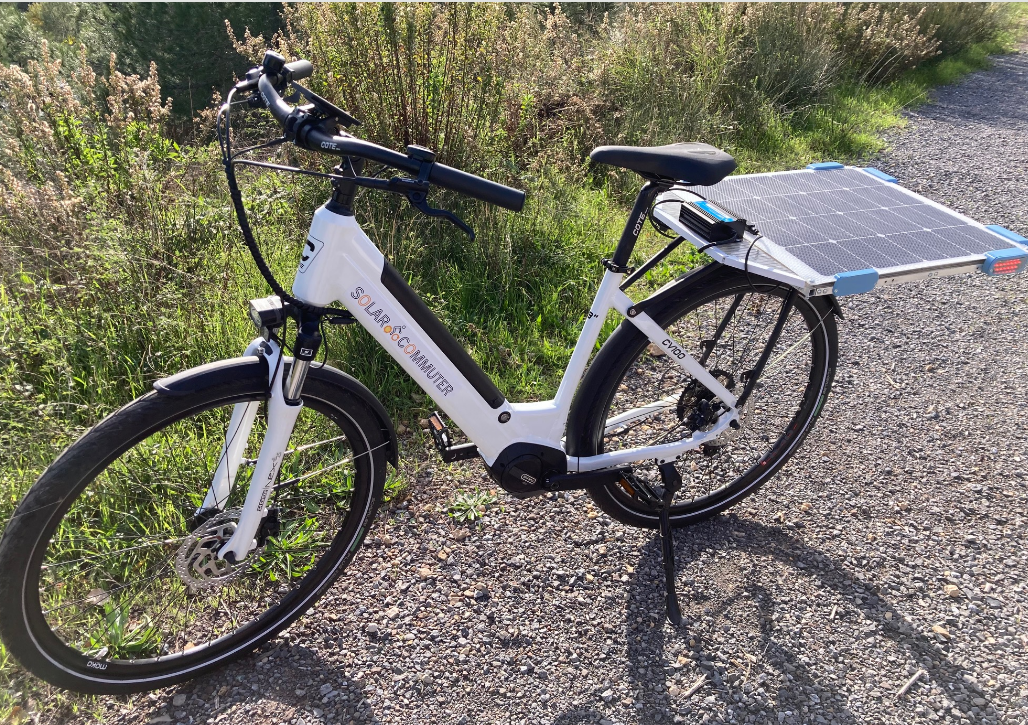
(201, 519)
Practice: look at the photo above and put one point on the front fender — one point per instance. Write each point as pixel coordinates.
(250, 374)
(253, 369)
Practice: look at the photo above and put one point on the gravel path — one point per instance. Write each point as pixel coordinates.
(815, 601)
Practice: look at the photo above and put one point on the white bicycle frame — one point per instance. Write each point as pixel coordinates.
(342, 265)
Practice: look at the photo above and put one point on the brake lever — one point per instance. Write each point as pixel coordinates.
(419, 201)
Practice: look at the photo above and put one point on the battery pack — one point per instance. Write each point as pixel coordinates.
(711, 222)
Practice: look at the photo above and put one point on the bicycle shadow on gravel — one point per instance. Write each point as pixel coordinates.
(729, 633)
(288, 677)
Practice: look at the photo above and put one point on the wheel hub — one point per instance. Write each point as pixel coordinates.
(694, 405)
(197, 562)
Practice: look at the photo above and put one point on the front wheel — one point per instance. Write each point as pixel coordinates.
(724, 321)
(107, 575)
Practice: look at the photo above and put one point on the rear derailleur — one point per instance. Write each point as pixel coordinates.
(699, 409)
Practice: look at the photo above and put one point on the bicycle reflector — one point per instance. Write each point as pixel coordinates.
(710, 222)
(1004, 261)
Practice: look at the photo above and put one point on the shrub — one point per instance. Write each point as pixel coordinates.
(414, 73)
(881, 41)
(959, 25)
(787, 57)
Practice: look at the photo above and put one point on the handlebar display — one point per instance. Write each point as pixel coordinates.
(311, 137)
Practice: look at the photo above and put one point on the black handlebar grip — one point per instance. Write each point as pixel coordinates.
(477, 187)
(299, 69)
(445, 176)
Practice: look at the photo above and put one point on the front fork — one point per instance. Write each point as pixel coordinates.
(284, 405)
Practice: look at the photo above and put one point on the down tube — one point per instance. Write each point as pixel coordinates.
(347, 267)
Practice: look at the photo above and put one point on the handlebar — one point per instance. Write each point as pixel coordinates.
(312, 137)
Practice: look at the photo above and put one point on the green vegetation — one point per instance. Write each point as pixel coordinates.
(470, 505)
(120, 260)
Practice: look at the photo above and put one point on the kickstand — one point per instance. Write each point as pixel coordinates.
(672, 483)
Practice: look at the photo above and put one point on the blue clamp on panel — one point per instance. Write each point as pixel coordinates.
(1004, 232)
(822, 165)
(855, 283)
(1002, 262)
(880, 174)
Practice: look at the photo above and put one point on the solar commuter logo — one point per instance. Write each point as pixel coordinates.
(394, 330)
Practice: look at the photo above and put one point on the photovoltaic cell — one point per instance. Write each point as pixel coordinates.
(841, 220)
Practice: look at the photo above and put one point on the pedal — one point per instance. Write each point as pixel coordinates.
(444, 443)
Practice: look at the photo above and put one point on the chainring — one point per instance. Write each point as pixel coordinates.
(197, 563)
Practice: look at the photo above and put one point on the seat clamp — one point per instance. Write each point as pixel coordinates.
(617, 268)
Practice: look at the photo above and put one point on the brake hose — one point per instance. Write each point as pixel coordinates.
(251, 243)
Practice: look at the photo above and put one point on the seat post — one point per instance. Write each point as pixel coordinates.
(635, 222)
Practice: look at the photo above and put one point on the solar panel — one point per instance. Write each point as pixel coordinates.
(820, 223)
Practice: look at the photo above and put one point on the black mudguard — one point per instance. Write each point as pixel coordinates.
(579, 441)
(253, 368)
(254, 371)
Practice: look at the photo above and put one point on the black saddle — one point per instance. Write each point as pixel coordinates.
(692, 163)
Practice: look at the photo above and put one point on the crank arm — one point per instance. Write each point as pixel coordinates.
(281, 419)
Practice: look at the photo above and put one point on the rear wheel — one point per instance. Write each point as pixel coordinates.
(109, 580)
(634, 379)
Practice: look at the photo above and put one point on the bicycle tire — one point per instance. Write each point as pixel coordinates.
(24, 627)
(626, 346)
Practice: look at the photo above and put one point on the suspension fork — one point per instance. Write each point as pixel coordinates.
(284, 405)
(236, 436)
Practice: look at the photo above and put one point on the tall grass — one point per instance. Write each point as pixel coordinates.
(119, 256)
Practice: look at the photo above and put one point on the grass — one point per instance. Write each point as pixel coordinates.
(86, 325)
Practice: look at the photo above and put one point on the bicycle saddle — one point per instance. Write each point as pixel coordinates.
(693, 163)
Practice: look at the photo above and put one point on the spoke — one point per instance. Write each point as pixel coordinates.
(772, 366)
(291, 481)
(112, 591)
(117, 551)
(307, 447)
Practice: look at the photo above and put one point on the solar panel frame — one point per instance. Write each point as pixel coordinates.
(836, 221)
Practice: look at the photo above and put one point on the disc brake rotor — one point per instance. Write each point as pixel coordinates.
(197, 563)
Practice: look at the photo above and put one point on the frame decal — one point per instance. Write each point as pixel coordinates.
(394, 331)
(310, 251)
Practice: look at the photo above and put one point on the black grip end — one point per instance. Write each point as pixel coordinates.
(299, 69)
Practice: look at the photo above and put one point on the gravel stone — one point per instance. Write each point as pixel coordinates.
(814, 601)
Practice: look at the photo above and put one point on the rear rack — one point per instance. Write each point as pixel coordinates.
(797, 214)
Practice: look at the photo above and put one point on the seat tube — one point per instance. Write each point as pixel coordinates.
(635, 223)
